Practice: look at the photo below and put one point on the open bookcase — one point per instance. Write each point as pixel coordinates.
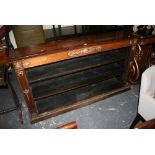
(65, 83)
(63, 75)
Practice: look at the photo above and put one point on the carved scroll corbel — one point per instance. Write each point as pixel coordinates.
(134, 66)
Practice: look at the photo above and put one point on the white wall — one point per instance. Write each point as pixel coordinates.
(12, 39)
(51, 26)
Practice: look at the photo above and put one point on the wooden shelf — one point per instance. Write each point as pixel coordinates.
(72, 81)
(65, 83)
(58, 69)
(72, 97)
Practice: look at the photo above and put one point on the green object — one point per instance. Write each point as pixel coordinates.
(27, 35)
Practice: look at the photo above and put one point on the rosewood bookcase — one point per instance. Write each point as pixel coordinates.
(63, 75)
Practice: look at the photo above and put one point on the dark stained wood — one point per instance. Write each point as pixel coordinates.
(15, 98)
(59, 28)
(36, 118)
(63, 75)
(117, 40)
(71, 125)
(3, 58)
(147, 40)
(68, 54)
(3, 54)
(70, 98)
(54, 31)
(146, 125)
(58, 69)
(75, 29)
(72, 81)
(2, 74)
(4, 30)
(3, 63)
(5, 83)
(20, 72)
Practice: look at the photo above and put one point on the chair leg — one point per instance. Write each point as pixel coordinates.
(136, 120)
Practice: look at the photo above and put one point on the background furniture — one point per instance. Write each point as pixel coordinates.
(3, 31)
(146, 107)
(71, 125)
(153, 55)
(146, 125)
(6, 84)
(27, 35)
(61, 31)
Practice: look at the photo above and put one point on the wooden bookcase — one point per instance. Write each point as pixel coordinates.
(63, 75)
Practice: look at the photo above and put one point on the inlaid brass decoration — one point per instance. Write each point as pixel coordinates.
(84, 51)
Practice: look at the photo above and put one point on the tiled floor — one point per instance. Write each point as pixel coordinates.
(116, 112)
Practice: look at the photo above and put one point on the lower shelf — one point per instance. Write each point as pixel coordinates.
(71, 98)
(45, 115)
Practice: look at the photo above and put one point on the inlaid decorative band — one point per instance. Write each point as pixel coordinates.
(84, 51)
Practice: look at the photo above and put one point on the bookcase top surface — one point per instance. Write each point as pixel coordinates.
(68, 44)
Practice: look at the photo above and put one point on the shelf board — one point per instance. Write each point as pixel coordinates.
(72, 81)
(58, 69)
(52, 113)
(77, 95)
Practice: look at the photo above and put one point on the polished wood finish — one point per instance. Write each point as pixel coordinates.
(18, 66)
(3, 63)
(68, 54)
(139, 61)
(42, 106)
(3, 58)
(71, 125)
(108, 42)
